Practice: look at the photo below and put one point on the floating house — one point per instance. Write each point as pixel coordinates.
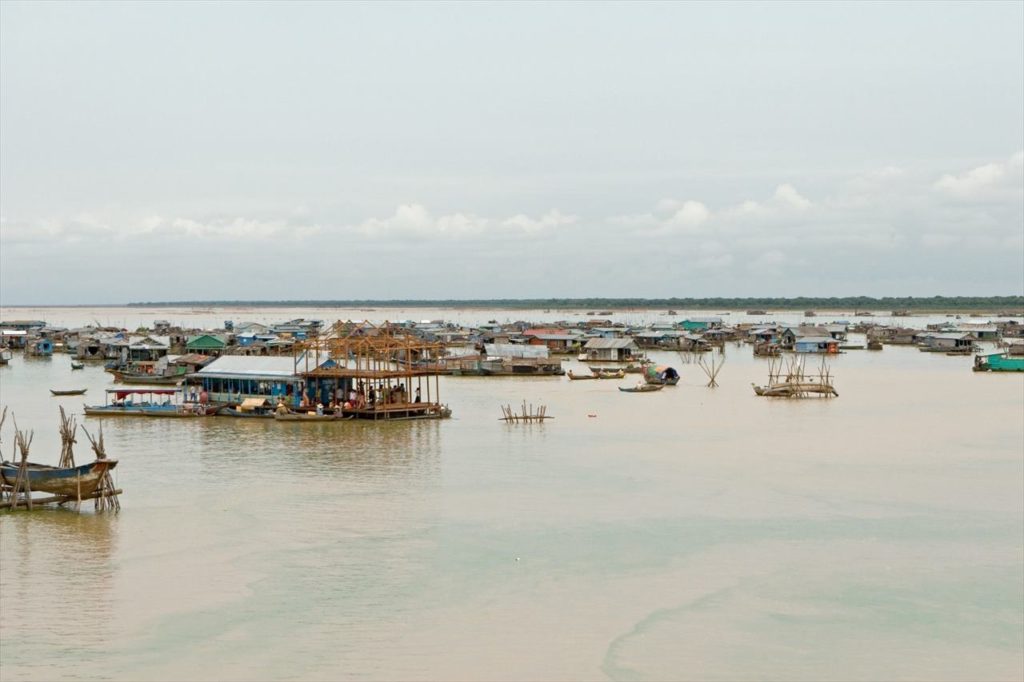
(816, 344)
(231, 379)
(13, 338)
(610, 350)
(40, 347)
(23, 325)
(700, 324)
(518, 360)
(206, 344)
(946, 342)
(372, 372)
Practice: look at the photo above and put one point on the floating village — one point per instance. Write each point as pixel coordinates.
(303, 370)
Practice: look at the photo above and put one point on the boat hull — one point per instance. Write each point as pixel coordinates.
(795, 390)
(70, 482)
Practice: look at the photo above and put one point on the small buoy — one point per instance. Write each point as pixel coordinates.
(517, 558)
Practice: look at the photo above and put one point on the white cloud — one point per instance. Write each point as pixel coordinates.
(984, 181)
(416, 220)
(787, 196)
(690, 215)
(548, 221)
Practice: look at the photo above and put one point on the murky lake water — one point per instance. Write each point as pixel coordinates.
(691, 534)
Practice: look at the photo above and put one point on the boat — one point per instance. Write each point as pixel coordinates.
(661, 375)
(998, 362)
(580, 377)
(311, 417)
(642, 388)
(608, 373)
(796, 383)
(186, 411)
(76, 481)
(77, 365)
(5, 356)
(73, 391)
(149, 379)
(628, 369)
(250, 408)
(137, 402)
(795, 389)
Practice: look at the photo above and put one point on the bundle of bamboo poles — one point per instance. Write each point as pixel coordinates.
(526, 416)
(67, 440)
(106, 493)
(22, 484)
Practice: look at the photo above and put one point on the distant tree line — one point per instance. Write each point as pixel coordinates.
(886, 303)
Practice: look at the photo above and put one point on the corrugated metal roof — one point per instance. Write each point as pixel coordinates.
(515, 350)
(604, 344)
(252, 365)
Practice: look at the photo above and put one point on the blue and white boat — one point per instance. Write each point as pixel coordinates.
(138, 402)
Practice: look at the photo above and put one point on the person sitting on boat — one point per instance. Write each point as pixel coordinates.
(281, 407)
(319, 409)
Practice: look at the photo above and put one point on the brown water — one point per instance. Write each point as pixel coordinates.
(693, 533)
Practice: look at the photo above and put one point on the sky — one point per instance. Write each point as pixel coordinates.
(199, 151)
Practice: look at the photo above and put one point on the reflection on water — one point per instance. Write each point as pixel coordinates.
(689, 531)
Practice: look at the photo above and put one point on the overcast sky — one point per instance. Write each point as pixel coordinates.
(240, 151)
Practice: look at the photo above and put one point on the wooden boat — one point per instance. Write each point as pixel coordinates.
(73, 391)
(641, 388)
(311, 417)
(609, 374)
(149, 379)
(68, 482)
(998, 362)
(250, 408)
(245, 414)
(795, 389)
(77, 365)
(795, 382)
(580, 377)
(628, 369)
(661, 375)
(187, 411)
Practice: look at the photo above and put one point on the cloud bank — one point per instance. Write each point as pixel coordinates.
(886, 231)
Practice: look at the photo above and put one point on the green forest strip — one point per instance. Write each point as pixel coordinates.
(936, 303)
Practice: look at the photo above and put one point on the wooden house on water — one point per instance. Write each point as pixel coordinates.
(611, 350)
(206, 344)
(555, 341)
(947, 342)
(372, 372)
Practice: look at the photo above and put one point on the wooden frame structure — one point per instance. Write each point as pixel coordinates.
(373, 372)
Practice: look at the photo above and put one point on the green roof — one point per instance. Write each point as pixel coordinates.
(205, 342)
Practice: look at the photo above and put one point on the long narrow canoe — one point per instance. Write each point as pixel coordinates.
(74, 391)
(646, 388)
(300, 417)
